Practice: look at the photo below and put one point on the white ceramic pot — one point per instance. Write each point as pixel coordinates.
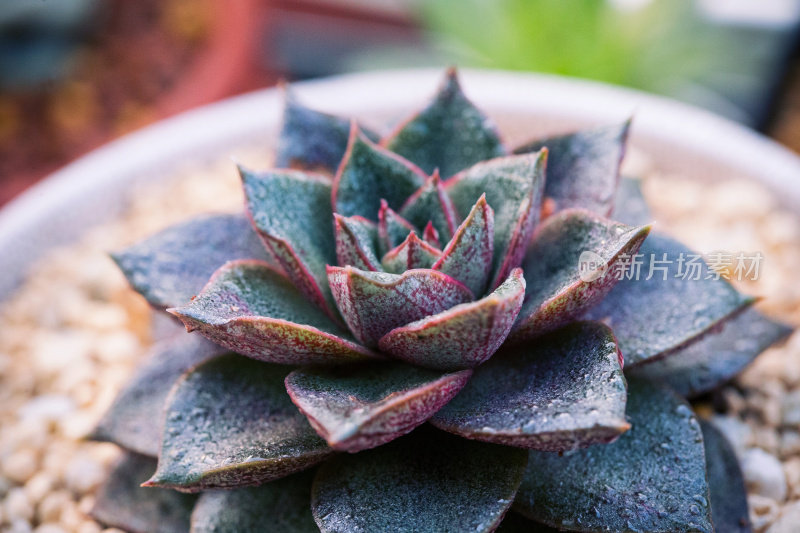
(96, 187)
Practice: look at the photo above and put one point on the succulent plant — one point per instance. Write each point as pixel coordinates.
(396, 336)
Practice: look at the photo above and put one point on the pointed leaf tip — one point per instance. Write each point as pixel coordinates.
(430, 203)
(463, 336)
(410, 254)
(573, 262)
(230, 423)
(252, 309)
(513, 186)
(291, 211)
(312, 140)
(357, 407)
(173, 265)
(369, 174)
(469, 254)
(373, 303)
(450, 133)
(356, 242)
(669, 285)
(583, 167)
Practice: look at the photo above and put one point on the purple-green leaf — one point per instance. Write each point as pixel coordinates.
(229, 423)
(450, 133)
(513, 187)
(654, 317)
(392, 228)
(653, 478)
(583, 167)
(426, 481)
(563, 392)
(172, 266)
(559, 289)
(464, 336)
(292, 212)
(630, 206)
(251, 309)
(356, 242)
(122, 503)
(134, 420)
(411, 253)
(312, 140)
(355, 407)
(468, 256)
(729, 509)
(369, 174)
(431, 236)
(280, 505)
(373, 303)
(717, 356)
(430, 203)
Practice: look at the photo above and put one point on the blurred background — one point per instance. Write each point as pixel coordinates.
(77, 73)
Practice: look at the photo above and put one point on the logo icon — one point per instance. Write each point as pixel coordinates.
(591, 266)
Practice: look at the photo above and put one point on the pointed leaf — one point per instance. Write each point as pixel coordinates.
(373, 303)
(356, 407)
(426, 481)
(468, 256)
(513, 187)
(654, 317)
(392, 228)
(254, 310)
(725, 482)
(369, 174)
(230, 423)
(651, 479)
(292, 213)
(449, 134)
(717, 357)
(564, 392)
(280, 505)
(583, 168)
(122, 503)
(172, 266)
(560, 289)
(463, 336)
(431, 203)
(411, 253)
(630, 206)
(134, 421)
(356, 242)
(312, 140)
(431, 236)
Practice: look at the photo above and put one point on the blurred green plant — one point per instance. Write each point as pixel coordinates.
(662, 46)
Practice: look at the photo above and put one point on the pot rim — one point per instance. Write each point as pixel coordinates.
(92, 189)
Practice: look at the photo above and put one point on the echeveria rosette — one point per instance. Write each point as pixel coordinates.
(432, 275)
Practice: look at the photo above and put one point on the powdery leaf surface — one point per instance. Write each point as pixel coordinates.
(426, 481)
(653, 478)
(254, 310)
(450, 133)
(356, 407)
(464, 336)
(563, 392)
(653, 317)
(229, 423)
(170, 267)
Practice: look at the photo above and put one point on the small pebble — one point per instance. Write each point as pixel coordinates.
(790, 409)
(49, 528)
(788, 520)
(763, 474)
(17, 505)
(20, 466)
